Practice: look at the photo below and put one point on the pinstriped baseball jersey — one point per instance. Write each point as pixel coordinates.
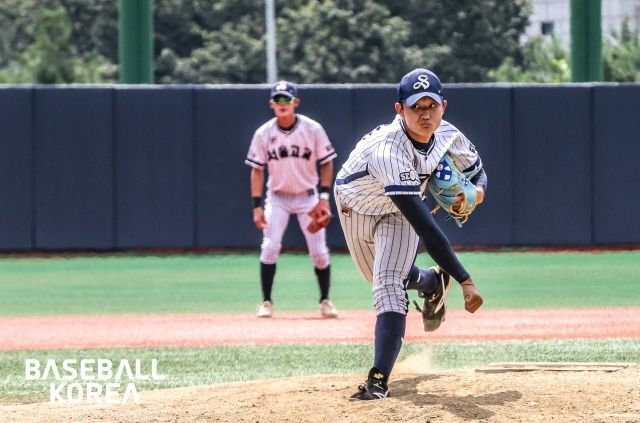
(385, 162)
(291, 156)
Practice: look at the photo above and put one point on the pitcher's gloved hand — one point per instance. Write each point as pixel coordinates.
(472, 298)
(453, 190)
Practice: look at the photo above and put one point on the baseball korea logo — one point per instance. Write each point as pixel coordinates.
(423, 82)
(90, 380)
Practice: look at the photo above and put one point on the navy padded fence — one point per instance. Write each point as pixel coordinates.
(118, 167)
(16, 169)
(616, 160)
(552, 165)
(154, 168)
(74, 168)
(225, 120)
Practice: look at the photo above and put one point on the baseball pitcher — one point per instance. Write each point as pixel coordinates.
(379, 195)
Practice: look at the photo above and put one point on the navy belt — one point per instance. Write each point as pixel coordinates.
(351, 177)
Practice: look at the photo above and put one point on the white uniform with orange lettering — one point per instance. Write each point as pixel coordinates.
(291, 158)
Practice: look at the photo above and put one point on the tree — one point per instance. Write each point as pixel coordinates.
(462, 40)
(542, 60)
(336, 40)
(51, 58)
(622, 55)
(342, 41)
(95, 27)
(16, 28)
(222, 41)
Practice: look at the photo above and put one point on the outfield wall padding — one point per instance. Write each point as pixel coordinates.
(16, 169)
(125, 167)
(74, 193)
(225, 120)
(154, 158)
(552, 166)
(616, 164)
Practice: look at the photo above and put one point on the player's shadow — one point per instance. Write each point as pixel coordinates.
(468, 407)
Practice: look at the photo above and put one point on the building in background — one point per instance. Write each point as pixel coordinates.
(554, 17)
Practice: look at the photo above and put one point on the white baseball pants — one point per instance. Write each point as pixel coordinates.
(278, 208)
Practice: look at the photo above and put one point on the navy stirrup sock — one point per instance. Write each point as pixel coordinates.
(390, 328)
(424, 280)
(324, 280)
(267, 273)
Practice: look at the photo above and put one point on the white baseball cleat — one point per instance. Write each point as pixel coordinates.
(265, 309)
(328, 310)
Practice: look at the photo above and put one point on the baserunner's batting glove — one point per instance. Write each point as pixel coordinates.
(472, 298)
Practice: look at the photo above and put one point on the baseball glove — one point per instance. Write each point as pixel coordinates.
(449, 185)
(320, 216)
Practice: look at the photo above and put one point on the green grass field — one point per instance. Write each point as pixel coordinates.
(228, 283)
(208, 365)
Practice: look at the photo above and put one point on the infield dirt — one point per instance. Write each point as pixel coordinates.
(419, 393)
(462, 396)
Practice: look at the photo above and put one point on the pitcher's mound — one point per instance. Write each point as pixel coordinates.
(462, 396)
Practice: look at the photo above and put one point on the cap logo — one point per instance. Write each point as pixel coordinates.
(282, 86)
(423, 82)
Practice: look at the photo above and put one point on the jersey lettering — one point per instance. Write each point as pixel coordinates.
(412, 175)
(291, 157)
(283, 152)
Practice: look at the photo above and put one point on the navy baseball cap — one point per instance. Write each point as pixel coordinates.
(417, 84)
(285, 88)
